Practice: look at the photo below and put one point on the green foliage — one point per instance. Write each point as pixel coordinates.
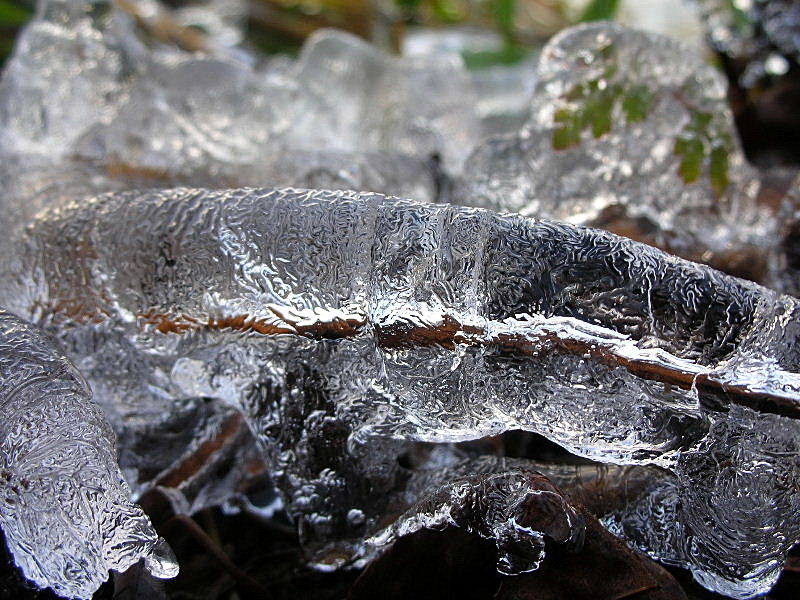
(504, 14)
(13, 14)
(447, 11)
(741, 19)
(699, 143)
(507, 55)
(636, 103)
(598, 10)
(590, 105)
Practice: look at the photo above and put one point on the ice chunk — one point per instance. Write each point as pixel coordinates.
(64, 76)
(191, 114)
(88, 91)
(631, 132)
(342, 324)
(359, 98)
(503, 91)
(66, 510)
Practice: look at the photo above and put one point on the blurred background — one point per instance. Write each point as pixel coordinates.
(755, 42)
(281, 26)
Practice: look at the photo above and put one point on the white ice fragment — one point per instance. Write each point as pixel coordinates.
(65, 509)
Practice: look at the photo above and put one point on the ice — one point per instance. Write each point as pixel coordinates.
(502, 92)
(630, 132)
(374, 102)
(344, 325)
(66, 510)
(761, 33)
(63, 77)
(324, 332)
(93, 90)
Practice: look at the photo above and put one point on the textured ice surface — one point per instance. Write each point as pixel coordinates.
(65, 509)
(631, 132)
(342, 324)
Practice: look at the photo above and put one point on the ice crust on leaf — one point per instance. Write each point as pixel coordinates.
(343, 325)
(65, 509)
(631, 132)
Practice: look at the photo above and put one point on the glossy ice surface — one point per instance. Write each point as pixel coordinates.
(64, 507)
(341, 324)
(342, 327)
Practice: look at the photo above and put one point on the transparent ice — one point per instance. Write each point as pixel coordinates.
(86, 86)
(326, 332)
(64, 507)
(630, 132)
(502, 92)
(342, 324)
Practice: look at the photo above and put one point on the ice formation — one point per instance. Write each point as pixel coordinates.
(85, 85)
(64, 507)
(342, 324)
(630, 132)
(342, 327)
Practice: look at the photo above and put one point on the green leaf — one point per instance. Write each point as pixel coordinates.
(508, 55)
(597, 113)
(598, 10)
(447, 11)
(692, 152)
(12, 14)
(718, 169)
(505, 12)
(568, 134)
(636, 103)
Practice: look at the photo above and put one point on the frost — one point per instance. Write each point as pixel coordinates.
(342, 325)
(64, 507)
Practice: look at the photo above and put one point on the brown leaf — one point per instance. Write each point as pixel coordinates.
(604, 569)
